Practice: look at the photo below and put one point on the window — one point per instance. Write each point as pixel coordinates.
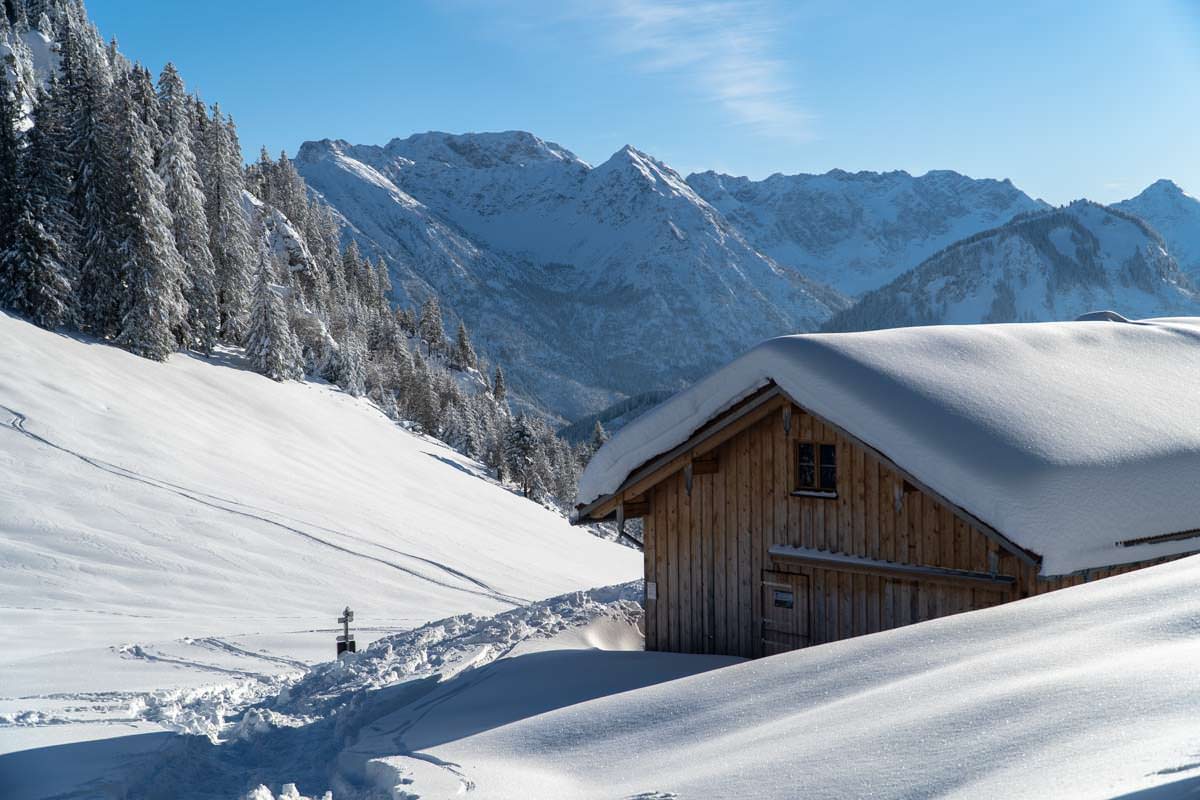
(816, 468)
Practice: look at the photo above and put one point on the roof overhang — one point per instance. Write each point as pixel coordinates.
(628, 501)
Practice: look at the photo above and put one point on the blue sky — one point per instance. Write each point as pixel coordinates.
(1066, 98)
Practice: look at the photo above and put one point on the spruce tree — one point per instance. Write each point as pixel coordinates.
(229, 232)
(37, 265)
(270, 344)
(430, 326)
(599, 436)
(10, 160)
(96, 171)
(463, 355)
(146, 103)
(185, 197)
(499, 389)
(153, 311)
(385, 285)
(523, 456)
(289, 191)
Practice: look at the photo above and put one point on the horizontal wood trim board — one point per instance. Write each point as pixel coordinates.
(870, 566)
(1165, 537)
(671, 462)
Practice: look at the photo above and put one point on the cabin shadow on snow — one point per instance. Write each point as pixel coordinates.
(393, 720)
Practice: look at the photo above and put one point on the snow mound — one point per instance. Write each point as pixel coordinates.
(1044, 431)
(1089, 692)
(356, 726)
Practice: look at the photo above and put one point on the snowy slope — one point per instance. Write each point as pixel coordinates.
(1050, 265)
(1174, 214)
(1090, 692)
(564, 270)
(858, 231)
(193, 523)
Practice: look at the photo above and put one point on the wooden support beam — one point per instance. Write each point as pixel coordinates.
(637, 509)
(859, 565)
(701, 444)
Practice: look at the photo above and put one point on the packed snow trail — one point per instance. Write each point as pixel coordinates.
(322, 729)
(18, 421)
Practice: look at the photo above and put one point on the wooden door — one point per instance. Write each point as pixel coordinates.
(785, 617)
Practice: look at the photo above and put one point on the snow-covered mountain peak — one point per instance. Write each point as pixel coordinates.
(647, 172)
(1164, 187)
(324, 148)
(479, 150)
(1048, 265)
(531, 245)
(1176, 215)
(856, 230)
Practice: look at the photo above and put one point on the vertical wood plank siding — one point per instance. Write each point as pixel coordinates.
(706, 550)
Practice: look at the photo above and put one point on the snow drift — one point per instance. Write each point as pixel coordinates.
(1090, 692)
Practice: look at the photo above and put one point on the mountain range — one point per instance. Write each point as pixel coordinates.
(594, 284)
(1054, 264)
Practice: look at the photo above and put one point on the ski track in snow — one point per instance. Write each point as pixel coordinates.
(222, 646)
(17, 424)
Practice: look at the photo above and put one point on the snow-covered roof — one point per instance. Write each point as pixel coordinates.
(1066, 437)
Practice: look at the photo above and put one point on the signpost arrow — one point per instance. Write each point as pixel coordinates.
(345, 642)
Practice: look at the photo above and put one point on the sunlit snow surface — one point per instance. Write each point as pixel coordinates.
(134, 608)
(170, 528)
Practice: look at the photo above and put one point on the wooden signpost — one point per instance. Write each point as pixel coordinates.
(345, 642)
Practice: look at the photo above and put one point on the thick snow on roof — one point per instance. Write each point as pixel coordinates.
(1064, 436)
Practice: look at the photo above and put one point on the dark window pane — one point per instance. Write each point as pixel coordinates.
(806, 475)
(784, 599)
(828, 468)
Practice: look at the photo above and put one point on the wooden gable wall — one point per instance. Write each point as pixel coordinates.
(707, 550)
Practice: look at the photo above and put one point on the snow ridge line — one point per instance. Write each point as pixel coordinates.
(17, 424)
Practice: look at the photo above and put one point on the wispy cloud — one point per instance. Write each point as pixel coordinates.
(723, 47)
(725, 51)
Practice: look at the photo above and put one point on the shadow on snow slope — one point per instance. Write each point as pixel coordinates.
(332, 752)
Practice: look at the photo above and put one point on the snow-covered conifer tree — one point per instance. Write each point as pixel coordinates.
(599, 436)
(270, 344)
(463, 354)
(93, 156)
(153, 312)
(229, 231)
(289, 191)
(499, 389)
(430, 326)
(146, 103)
(37, 267)
(385, 284)
(10, 160)
(185, 197)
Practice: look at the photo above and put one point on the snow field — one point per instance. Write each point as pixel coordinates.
(178, 527)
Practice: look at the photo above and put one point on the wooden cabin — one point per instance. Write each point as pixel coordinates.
(772, 527)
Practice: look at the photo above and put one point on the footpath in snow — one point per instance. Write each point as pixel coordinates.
(1090, 692)
(183, 535)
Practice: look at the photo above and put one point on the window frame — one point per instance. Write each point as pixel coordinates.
(819, 465)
